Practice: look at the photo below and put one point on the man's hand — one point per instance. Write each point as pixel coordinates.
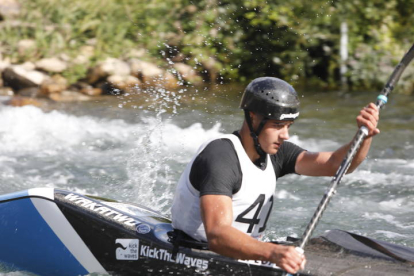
(369, 117)
(287, 258)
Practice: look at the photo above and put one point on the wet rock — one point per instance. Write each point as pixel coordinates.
(111, 66)
(4, 99)
(69, 96)
(187, 73)
(109, 89)
(6, 91)
(86, 89)
(91, 91)
(148, 72)
(31, 92)
(55, 84)
(170, 81)
(18, 77)
(22, 101)
(124, 83)
(52, 65)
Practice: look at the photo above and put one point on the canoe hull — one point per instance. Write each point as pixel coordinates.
(56, 232)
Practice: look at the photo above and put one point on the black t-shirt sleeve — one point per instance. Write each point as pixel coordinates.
(285, 159)
(216, 170)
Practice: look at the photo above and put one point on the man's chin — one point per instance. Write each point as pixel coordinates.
(272, 151)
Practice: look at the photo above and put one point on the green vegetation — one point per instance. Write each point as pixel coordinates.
(227, 40)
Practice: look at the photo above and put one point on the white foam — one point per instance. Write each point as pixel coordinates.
(315, 145)
(373, 178)
(389, 234)
(401, 205)
(28, 128)
(283, 194)
(389, 219)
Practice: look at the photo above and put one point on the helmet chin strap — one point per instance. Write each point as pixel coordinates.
(255, 134)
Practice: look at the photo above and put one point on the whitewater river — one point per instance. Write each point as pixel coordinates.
(133, 148)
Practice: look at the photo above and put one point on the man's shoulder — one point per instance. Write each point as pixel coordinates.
(216, 169)
(219, 147)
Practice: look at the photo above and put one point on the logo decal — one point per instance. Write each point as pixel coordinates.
(127, 249)
(289, 116)
(131, 249)
(261, 263)
(143, 228)
(98, 208)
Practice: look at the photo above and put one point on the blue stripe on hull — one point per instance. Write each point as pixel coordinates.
(27, 242)
(14, 195)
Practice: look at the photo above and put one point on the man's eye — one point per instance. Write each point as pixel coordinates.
(282, 125)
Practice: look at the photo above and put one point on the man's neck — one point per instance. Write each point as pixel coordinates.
(248, 144)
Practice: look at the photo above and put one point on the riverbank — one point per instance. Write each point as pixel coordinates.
(28, 76)
(44, 78)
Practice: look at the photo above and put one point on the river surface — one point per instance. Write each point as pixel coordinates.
(133, 148)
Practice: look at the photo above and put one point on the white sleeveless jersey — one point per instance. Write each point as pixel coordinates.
(252, 204)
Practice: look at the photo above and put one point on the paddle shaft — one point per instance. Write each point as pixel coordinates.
(355, 145)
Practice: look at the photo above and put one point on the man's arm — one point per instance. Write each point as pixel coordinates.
(327, 163)
(217, 215)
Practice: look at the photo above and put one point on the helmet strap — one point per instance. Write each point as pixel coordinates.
(255, 134)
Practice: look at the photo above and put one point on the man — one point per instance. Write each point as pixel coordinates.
(225, 194)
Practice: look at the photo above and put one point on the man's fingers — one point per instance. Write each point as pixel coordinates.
(369, 113)
(302, 265)
(291, 267)
(369, 117)
(297, 261)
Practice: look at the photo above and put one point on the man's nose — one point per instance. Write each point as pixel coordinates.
(285, 133)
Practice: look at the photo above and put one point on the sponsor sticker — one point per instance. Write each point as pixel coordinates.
(98, 208)
(143, 228)
(164, 255)
(261, 263)
(127, 249)
(130, 249)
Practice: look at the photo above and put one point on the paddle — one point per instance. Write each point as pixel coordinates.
(356, 143)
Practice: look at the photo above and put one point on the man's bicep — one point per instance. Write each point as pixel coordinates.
(314, 164)
(216, 211)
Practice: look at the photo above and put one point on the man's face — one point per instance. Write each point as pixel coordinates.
(273, 134)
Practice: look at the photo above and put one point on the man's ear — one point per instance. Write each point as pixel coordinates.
(256, 118)
(253, 118)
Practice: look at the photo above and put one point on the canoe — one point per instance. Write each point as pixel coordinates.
(49, 231)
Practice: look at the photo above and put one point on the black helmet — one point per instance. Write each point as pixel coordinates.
(272, 98)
